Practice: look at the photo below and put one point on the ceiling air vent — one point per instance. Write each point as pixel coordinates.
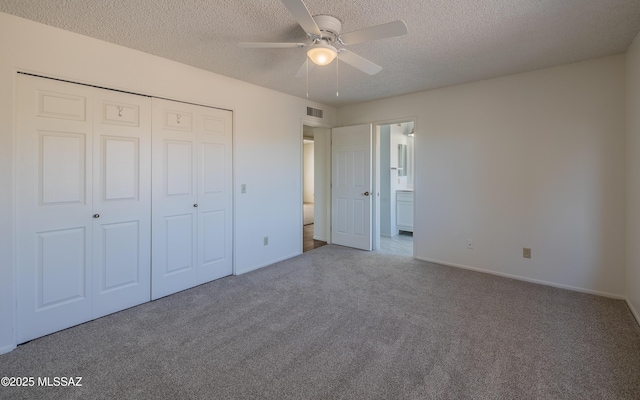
(314, 112)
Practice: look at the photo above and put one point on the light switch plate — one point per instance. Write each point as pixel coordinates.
(526, 252)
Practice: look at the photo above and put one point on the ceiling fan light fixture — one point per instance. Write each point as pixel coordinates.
(322, 53)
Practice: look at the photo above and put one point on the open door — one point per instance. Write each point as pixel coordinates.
(351, 184)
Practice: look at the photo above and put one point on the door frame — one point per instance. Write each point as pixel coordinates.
(375, 206)
(375, 229)
(314, 124)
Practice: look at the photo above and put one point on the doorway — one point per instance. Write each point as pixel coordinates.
(314, 187)
(395, 174)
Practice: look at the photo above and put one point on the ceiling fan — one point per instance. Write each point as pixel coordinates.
(326, 39)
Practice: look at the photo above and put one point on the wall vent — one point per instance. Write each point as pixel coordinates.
(314, 112)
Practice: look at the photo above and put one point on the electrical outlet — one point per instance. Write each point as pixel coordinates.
(526, 252)
(470, 244)
(266, 240)
(243, 188)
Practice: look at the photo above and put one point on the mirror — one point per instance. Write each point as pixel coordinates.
(402, 160)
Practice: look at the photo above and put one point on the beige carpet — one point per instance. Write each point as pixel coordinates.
(337, 323)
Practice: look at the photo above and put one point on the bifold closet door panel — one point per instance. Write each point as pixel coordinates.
(121, 201)
(54, 206)
(215, 199)
(174, 197)
(192, 196)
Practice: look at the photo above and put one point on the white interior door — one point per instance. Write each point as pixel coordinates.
(192, 196)
(121, 201)
(54, 206)
(351, 186)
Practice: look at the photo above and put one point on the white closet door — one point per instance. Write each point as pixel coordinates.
(121, 201)
(84, 204)
(192, 196)
(214, 193)
(174, 236)
(54, 206)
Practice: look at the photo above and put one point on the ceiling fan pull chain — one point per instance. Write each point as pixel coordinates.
(307, 61)
(337, 78)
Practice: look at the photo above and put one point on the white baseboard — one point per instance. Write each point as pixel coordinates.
(522, 278)
(633, 311)
(244, 271)
(7, 349)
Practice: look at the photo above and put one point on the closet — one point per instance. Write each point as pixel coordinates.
(192, 197)
(86, 200)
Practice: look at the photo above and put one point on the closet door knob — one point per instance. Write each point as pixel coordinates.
(366, 193)
(96, 215)
(195, 205)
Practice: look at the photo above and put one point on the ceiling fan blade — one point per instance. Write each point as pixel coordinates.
(359, 62)
(302, 72)
(303, 16)
(391, 29)
(268, 45)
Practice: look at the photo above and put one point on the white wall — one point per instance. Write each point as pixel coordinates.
(266, 136)
(633, 177)
(307, 167)
(529, 160)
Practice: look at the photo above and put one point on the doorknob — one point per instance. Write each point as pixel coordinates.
(96, 215)
(195, 205)
(366, 193)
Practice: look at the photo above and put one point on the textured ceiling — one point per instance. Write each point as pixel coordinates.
(449, 41)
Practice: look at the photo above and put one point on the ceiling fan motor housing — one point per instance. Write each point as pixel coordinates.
(329, 26)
